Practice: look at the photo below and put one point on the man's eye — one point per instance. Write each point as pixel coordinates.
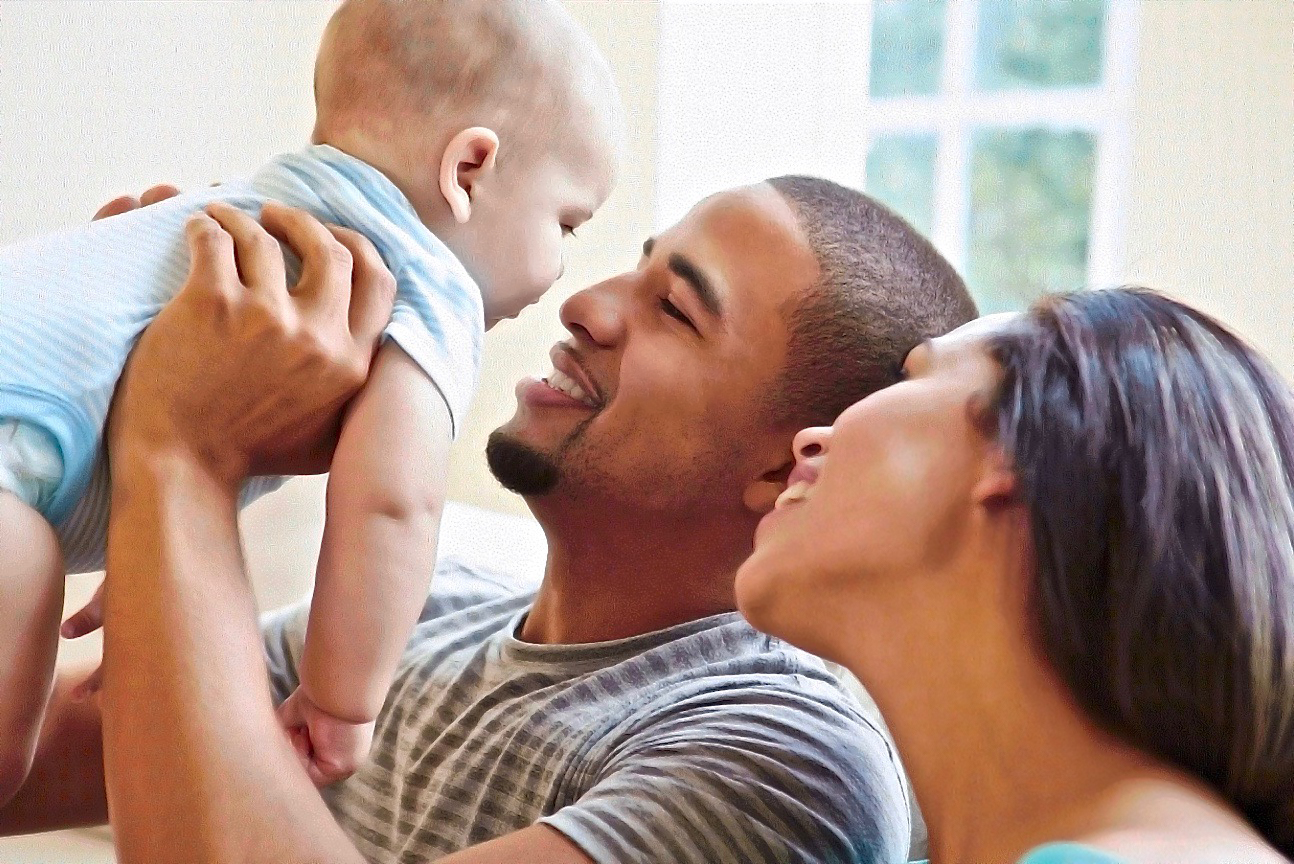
(901, 372)
(674, 312)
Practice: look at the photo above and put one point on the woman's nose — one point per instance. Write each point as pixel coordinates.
(809, 447)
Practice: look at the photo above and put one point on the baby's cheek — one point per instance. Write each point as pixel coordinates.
(547, 269)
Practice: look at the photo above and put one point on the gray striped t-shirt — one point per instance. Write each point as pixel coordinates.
(705, 743)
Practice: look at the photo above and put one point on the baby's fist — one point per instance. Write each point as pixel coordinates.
(330, 749)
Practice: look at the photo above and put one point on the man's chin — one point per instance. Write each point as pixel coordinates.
(519, 467)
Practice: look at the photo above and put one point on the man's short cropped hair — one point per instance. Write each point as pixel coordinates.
(882, 289)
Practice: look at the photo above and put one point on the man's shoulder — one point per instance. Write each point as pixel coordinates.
(730, 726)
(734, 667)
(460, 584)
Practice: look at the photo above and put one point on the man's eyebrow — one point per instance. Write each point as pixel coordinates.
(698, 282)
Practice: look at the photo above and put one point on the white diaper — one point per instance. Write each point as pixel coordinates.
(31, 465)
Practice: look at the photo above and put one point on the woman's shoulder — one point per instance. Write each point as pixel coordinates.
(1069, 853)
(1063, 853)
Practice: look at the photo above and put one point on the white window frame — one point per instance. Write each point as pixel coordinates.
(958, 109)
(749, 90)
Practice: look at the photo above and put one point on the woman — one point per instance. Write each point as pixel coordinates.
(1060, 555)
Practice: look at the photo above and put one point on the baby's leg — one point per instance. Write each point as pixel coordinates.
(31, 602)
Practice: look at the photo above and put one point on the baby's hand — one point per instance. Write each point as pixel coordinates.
(331, 749)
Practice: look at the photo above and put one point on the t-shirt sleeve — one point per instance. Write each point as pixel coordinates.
(284, 632)
(749, 774)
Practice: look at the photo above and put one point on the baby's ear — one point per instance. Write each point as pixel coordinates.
(470, 155)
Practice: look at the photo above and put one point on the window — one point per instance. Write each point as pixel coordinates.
(998, 127)
(993, 127)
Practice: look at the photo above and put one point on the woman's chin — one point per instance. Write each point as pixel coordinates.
(760, 590)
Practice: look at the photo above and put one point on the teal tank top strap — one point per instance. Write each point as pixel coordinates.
(1069, 853)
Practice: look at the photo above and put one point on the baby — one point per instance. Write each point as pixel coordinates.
(466, 139)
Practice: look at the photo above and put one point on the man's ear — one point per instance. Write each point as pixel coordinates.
(470, 155)
(760, 494)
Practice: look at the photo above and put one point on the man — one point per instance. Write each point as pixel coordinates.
(621, 713)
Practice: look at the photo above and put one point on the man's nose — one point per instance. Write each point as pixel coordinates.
(596, 313)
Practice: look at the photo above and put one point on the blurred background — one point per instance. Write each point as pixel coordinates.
(1043, 144)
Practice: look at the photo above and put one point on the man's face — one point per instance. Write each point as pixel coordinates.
(657, 400)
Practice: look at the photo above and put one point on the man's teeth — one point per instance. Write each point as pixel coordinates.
(560, 381)
(793, 494)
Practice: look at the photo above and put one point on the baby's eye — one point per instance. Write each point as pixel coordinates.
(568, 231)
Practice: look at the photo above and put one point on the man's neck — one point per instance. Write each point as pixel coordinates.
(612, 578)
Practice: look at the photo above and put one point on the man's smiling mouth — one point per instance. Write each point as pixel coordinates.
(563, 383)
(569, 376)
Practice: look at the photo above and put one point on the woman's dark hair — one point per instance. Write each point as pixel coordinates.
(1155, 450)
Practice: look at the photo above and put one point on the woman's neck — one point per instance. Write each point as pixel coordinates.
(1000, 757)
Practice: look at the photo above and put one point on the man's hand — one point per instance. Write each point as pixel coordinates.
(330, 749)
(126, 203)
(237, 375)
(185, 392)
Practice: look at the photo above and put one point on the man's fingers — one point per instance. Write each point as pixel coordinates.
(325, 263)
(372, 294)
(116, 207)
(211, 255)
(126, 203)
(158, 193)
(260, 259)
(85, 620)
(90, 686)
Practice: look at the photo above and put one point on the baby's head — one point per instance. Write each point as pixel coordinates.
(499, 119)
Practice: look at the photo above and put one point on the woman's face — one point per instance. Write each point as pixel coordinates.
(885, 497)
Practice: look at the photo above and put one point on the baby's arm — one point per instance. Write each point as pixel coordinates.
(385, 497)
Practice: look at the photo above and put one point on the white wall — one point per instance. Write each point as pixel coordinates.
(1211, 197)
(756, 90)
(97, 99)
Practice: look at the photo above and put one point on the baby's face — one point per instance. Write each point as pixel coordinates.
(513, 242)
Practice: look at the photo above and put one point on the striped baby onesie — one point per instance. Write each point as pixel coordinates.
(73, 304)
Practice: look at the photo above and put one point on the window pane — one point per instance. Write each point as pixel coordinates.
(1039, 43)
(907, 47)
(1031, 195)
(901, 174)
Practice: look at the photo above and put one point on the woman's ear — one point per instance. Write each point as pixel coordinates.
(998, 483)
(470, 156)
